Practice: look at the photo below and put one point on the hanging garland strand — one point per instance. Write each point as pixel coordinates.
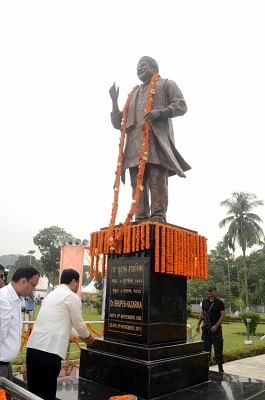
(114, 242)
(118, 171)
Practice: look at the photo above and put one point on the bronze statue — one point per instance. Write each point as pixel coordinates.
(163, 159)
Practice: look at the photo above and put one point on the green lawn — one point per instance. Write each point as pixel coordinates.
(88, 315)
(232, 339)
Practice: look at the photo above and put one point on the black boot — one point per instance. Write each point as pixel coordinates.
(220, 368)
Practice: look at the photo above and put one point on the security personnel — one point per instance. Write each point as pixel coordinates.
(212, 314)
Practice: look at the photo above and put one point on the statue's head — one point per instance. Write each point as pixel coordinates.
(146, 67)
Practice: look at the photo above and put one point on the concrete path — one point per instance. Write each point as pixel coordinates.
(251, 367)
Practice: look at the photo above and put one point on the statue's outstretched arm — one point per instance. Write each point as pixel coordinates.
(116, 114)
(114, 94)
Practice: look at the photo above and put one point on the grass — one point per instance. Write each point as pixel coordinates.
(233, 334)
(88, 315)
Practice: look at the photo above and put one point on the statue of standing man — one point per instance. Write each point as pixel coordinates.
(163, 159)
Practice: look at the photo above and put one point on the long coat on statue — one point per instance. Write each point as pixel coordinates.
(162, 150)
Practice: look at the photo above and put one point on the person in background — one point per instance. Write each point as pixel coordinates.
(29, 306)
(48, 342)
(2, 276)
(212, 314)
(23, 282)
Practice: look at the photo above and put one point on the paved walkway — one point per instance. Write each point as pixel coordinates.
(251, 367)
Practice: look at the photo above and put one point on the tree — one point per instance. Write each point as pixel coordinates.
(23, 261)
(47, 241)
(220, 268)
(244, 228)
(8, 259)
(256, 281)
(218, 273)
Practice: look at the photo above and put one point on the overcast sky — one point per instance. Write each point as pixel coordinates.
(58, 147)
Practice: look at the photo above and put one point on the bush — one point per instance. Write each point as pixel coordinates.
(238, 354)
(97, 303)
(255, 320)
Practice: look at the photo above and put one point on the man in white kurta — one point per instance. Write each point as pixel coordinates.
(48, 342)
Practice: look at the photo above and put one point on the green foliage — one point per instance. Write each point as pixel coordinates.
(97, 303)
(255, 319)
(22, 261)
(47, 242)
(243, 226)
(238, 303)
(238, 354)
(8, 259)
(243, 223)
(196, 288)
(99, 282)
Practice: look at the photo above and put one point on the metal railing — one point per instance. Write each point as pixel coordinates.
(16, 390)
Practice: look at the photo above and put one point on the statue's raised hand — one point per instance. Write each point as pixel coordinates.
(114, 92)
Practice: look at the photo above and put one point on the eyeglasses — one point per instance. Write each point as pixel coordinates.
(32, 284)
(2, 276)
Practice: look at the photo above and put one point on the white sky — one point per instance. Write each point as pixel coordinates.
(58, 148)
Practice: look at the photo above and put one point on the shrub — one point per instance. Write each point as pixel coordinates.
(97, 302)
(255, 319)
(250, 351)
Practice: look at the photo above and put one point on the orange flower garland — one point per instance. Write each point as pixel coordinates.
(176, 251)
(114, 242)
(118, 171)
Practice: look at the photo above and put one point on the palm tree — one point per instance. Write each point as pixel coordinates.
(244, 228)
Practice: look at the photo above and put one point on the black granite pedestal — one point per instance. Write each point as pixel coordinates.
(219, 387)
(144, 350)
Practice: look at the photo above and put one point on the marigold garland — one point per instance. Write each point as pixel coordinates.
(114, 242)
(176, 251)
(118, 171)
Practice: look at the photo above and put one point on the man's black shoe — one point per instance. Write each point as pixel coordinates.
(220, 368)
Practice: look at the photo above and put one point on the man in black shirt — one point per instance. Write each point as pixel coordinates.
(212, 314)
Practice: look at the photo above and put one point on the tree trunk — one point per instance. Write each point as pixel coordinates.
(246, 280)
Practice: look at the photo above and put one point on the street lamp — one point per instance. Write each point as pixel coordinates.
(30, 252)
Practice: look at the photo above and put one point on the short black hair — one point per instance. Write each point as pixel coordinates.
(211, 287)
(68, 275)
(2, 268)
(24, 272)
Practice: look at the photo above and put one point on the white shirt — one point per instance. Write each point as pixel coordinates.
(10, 323)
(59, 313)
